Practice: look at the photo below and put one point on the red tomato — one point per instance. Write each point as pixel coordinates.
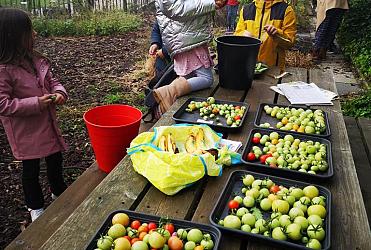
(251, 156)
(274, 189)
(237, 107)
(135, 224)
(143, 229)
(134, 240)
(233, 204)
(263, 158)
(175, 243)
(237, 117)
(255, 140)
(127, 237)
(169, 227)
(152, 226)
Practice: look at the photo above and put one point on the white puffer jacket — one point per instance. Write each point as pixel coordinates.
(184, 24)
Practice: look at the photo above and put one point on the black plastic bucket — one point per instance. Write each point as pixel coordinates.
(236, 61)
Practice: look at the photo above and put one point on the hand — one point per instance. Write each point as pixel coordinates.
(153, 49)
(270, 29)
(247, 33)
(59, 99)
(160, 54)
(220, 3)
(44, 101)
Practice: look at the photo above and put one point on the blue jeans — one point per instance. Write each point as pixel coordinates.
(201, 78)
(231, 17)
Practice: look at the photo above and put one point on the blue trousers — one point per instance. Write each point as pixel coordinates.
(231, 17)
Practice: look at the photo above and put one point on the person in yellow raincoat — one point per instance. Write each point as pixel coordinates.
(274, 23)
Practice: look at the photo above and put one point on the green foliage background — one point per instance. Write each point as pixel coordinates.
(355, 36)
(88, 24)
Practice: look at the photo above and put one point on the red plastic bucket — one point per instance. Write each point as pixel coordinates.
(111, 128)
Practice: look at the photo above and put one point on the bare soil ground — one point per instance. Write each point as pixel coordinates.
(95, 71)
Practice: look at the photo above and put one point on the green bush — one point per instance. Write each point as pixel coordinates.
(358, 106)
(355, 36)
(88, 24)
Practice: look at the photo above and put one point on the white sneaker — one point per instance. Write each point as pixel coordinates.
(35, 213)
(54, 197)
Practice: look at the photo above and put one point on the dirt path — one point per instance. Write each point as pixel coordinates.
(94, 70)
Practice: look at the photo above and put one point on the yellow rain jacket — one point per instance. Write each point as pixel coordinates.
(253, 18)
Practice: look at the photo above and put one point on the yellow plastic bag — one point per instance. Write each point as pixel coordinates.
(170, 172)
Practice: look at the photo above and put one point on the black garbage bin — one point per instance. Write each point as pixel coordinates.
(237, 57)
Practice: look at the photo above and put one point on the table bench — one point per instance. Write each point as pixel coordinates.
(123, 188)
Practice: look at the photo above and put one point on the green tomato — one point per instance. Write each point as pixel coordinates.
(297, 193)
(315, 220)
(273, 135)
(311, 191)
(318, 201)
(156, 240)
(280, 206)
(293, 231)
(290, 199)
(316, 232)
(248, 219)
(279, 234)
(230, 221)
(248, 201)
(140, 245)
(285, 220)
(261, 225)
(302, 221)
(181, 233)
(295, 212)
(116, 231)
(238, 199)
(317, 210)
(264, 192)
(309, 130)
(105, 243)
(246, 228)
(254, 192)
(274, 223)
(266, 204)
(190, 245)
(289, 138)
(241, 212)
(314, 244)
(248, 180)
(207, 244)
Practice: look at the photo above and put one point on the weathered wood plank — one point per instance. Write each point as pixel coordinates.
(361, 161)
(365, 126)
(57, 212)
(347, 203)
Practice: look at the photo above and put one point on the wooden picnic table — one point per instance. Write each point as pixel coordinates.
(123, 188)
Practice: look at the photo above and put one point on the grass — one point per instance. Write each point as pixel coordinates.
(87, 24)
(358, 105)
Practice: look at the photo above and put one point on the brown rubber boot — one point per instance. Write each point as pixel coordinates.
(168, 94)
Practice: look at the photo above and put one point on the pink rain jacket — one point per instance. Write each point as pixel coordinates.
(32, 132)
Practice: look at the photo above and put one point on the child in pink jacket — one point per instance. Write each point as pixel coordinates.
(28, 95)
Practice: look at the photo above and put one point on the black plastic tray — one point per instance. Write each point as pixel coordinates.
(214, 232)
(259, 167)
(262, 117)
(182, 116)
(233, 188)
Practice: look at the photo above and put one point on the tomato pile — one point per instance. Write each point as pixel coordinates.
(279, 212)
(297, 119)
(209, 110)
(288, 152)
(134, 235)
